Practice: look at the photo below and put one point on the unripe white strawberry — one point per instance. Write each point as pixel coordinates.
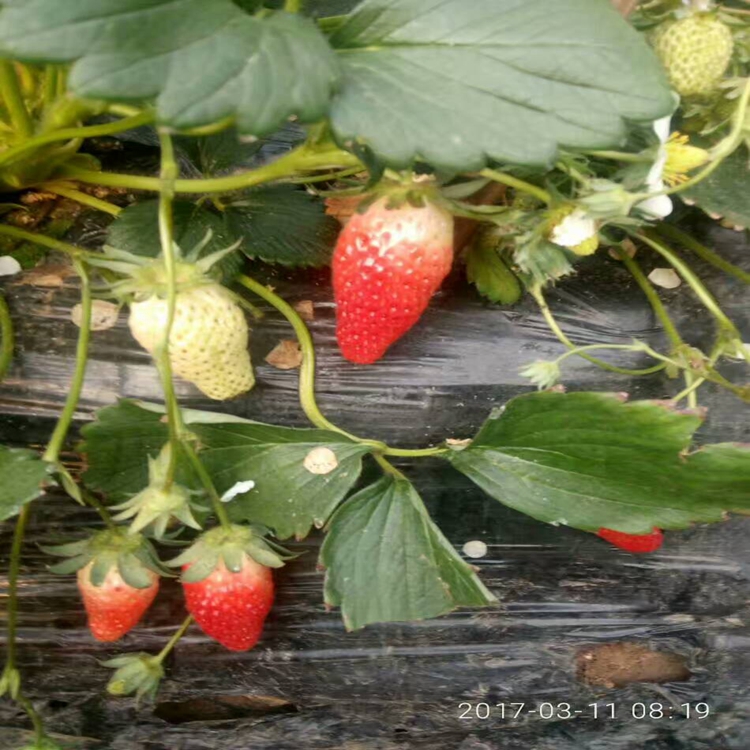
(208, 342)
(696, 52)
(209, 334)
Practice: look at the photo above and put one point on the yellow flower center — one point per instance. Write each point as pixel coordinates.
(682, 158)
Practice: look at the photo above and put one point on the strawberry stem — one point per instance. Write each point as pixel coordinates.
(307, 376)
(562, 337)
(65, 190)
(673, 233)
(219, 510)
(52, 454)
(304, 158)
(10, 90)
(159, 658)
(517, 184)
(689, 276)
(8, 340)
(292, 6)
(661, 312)
(42, 239)
(169, 172)
(68, 134)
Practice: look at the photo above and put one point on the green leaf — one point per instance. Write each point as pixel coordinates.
(486, 269)
(287, 497)
(456, 83)
(386, 560)
(282, 224)
(725, 192)
(219, 153)
(24, 477)
(117, 447)
(591, 460)
(201, 61)
(136, 230)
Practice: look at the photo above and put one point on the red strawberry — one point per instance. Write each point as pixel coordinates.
(226, 577)
(232, 607)
(387, 265)
(636, 543)
(114, 607)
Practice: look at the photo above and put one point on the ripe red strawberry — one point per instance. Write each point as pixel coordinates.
(387, 265)
(118, 577)
(228, 584)
(636, 543)
(232, 607)
(114, 607)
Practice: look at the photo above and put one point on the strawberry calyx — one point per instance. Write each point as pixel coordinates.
(135, 673)
(146, 277)
(130, 555)
(159, 502)
(229, 545)
(403, 191)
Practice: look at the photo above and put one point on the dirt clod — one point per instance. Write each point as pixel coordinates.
(617, 664)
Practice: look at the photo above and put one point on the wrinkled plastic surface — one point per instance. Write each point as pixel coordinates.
(312, 685)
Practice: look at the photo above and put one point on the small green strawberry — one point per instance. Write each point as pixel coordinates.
(696, 52)
(158, 503)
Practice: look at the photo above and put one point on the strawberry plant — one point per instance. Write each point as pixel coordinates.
(516, 139)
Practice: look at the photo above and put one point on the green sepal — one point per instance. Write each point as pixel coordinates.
(135, 673)
(133, 572)
(132, 555)
(10, 682)
(74, 564)
(230, 545)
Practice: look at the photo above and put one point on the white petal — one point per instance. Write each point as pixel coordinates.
(658, 206)
(574, 229)
(663, 128)
(9, 266)
(237, 489)
(656, 173)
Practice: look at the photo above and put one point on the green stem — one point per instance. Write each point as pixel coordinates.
(159, 658)
(40, 735)
(100, 508)
(42, 239)
(300, 160)
(673, 233)
(598, 347)
(80, 197)
(220, 510)
(307, 375)
(68, 134)
(6, 330)
(169, 172)
(292, 6)
(13, 574)
(562, 337)
(388, 467)
(328, 177)
(49, 91)
(10, 90)
(517, 184)
(618, 156)
(52, 454)
(653, 298)
(307, 369)
(689, 276)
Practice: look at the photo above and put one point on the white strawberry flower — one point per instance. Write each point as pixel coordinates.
(658, 206)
